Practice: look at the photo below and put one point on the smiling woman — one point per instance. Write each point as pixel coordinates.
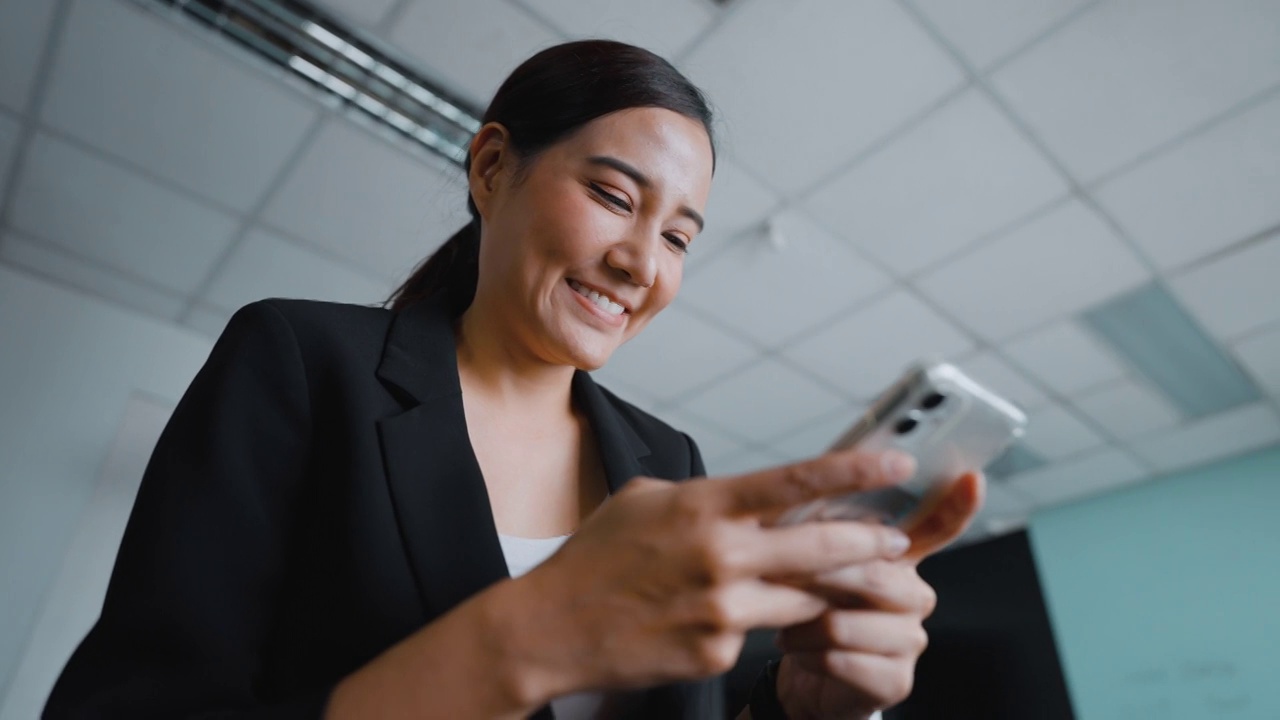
(431, 510)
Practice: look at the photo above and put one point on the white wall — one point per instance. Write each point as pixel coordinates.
(71, 604)
(77, 375)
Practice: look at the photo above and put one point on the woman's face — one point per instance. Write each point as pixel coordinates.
(583, 246)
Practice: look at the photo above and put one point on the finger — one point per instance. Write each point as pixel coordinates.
(863, 631)
(751, 604)
(875, 681)
(946, 519)
(820, 547)
(876, 585)
(831, 474)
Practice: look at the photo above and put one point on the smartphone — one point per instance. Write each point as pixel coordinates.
(948, 422)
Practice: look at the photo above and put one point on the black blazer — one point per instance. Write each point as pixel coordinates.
(313, 500)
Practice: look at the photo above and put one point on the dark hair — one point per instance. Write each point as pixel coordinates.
(546, 99)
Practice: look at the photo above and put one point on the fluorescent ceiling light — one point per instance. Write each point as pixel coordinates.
(355, 72)
(1150, 329)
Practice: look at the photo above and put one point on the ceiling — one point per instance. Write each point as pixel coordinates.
(961, 180)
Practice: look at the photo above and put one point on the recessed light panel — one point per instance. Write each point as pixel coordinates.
(1160, 339)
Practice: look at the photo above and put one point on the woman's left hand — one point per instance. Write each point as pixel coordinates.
(860, 656)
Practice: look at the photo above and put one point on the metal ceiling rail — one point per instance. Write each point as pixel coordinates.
(332, 59)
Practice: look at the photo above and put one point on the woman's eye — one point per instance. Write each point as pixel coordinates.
(611, 198)
(677, 242)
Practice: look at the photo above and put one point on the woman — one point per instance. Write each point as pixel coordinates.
(329, 521)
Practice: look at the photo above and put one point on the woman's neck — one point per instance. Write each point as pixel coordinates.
(496, 365)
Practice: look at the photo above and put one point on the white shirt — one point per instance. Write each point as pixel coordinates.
(523, 555)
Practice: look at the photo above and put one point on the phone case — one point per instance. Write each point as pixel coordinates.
(948, 422)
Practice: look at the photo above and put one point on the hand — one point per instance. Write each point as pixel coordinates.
(664, 580)
(859, 656)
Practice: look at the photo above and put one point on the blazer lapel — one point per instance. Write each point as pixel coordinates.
(439, 495)
(621, 449)
(437, 490)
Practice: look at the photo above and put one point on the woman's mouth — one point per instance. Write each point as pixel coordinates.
(600, 300)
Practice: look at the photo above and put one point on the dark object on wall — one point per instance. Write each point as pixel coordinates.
(992, 654)
(758, 650)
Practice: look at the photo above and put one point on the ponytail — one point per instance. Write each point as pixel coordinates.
(454, 269)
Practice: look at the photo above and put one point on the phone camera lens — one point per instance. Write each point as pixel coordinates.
(905, 425)
(933, 400)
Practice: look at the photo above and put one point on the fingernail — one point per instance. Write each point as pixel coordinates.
(897, 466)
(898, 543)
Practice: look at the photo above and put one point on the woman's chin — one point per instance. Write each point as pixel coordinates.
(589, 356)
(591, 362)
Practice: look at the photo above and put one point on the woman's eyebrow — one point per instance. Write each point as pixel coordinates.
(643, 181)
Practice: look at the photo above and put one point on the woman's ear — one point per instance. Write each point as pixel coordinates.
(491, 157)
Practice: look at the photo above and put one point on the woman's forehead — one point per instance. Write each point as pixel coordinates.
(671, 149)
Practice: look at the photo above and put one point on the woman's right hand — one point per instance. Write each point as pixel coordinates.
(664, 580)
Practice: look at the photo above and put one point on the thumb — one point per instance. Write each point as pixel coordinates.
(947, 517)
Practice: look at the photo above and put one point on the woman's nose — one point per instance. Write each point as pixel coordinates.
(636, 259)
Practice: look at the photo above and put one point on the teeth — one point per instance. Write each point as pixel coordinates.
(600, 301)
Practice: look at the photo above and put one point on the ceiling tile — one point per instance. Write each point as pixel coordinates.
(677, 352)
(1119, 81)
(1128, 409)
(366, 12)
(198, 118)
(986, 30)
(1065, 357)
(742, 461)
(115, 217)
(208, 320)
(1052, 267)
(1056, 434)
(56, 264)
(712, 442)
(266, 265)
(664, 26)
(24, 30)
(1205, 194)
(987, 368)
(362, 199)
(1213, 438)
(1260, 354)
(9, 131)
(771, 293)
(737, 202)
(1003, 510)
(471, 45)
(814, 438)
(1236, 293)
(804, 86)
(867, 350)
(997, 527)
(967, 164)
(1104, 471)
(1002, 501)
(976, 533)
(763, 401)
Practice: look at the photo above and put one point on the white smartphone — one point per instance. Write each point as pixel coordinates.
(948, 422)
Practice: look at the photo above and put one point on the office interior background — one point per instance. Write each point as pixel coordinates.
(1077, 201)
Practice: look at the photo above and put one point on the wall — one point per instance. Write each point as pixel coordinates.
(72, 370)
(1165, 597)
